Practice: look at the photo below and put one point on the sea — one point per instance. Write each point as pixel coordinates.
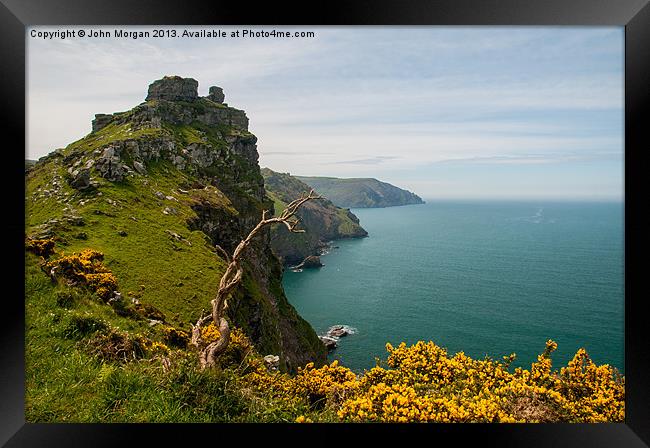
(486, 278)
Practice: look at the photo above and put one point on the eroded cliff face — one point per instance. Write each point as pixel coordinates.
(321, 220)
(193, 160)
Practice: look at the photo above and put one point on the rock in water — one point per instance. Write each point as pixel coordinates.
(173, 88)
(338, 331)
(330, 343)
(312, 261)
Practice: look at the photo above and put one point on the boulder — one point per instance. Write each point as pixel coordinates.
(173, 88)
(101, 121)
(272, 362)
(139, 167)
(330, 343)
(338, 331)
(109, 165)
(80, 179)
(74, 219)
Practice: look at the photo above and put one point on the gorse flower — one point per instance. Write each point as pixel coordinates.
(84, 268)
(424, 384)
(43, 248)
(210, 333)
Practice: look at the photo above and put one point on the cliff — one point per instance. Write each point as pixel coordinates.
(155, 188)
(321, 220)
(361, 192)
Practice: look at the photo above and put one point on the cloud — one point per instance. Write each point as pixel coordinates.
(359, 101)
(535, 159)
(369, 161)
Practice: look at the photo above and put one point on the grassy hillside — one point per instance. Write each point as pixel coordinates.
(153, 190)
(86, 363)
(321, 219)
(361, 192)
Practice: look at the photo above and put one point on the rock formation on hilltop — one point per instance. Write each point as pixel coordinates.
(156, 187)
(173, 88)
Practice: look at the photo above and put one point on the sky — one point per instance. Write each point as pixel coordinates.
(446, 112)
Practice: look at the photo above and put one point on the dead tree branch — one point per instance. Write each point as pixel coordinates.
(209, 352)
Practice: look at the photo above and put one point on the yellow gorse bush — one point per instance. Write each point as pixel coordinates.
(151, 347)
(422, 383)
(210, 333)
(85, 268)
(331, 382)
(426, 385)
(43, 248)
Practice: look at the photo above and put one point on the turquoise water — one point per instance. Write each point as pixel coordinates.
(486, 278)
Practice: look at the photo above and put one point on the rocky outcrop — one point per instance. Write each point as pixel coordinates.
(173, 88)
(80, 179)
(328, 342)
(100, 121)
(109, 164)
(339, 331)
(216, 94)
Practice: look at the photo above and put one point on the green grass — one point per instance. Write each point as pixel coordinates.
(111, 133)
(176, 277)
(65, 383)
(186, 134)
(136, 231)
(278, 204)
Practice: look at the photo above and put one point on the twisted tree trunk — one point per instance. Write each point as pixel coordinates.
(209, 352)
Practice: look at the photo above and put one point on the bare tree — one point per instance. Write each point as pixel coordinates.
(208, 352)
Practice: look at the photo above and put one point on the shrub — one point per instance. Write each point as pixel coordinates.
(149, 311)
(43, 248)
(116, 346)
(424, 384)
(175, 337)
(84, 268)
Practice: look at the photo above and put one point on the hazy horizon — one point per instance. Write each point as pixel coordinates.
(505, 113)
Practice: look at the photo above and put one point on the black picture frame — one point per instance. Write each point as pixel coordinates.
(16, 15)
